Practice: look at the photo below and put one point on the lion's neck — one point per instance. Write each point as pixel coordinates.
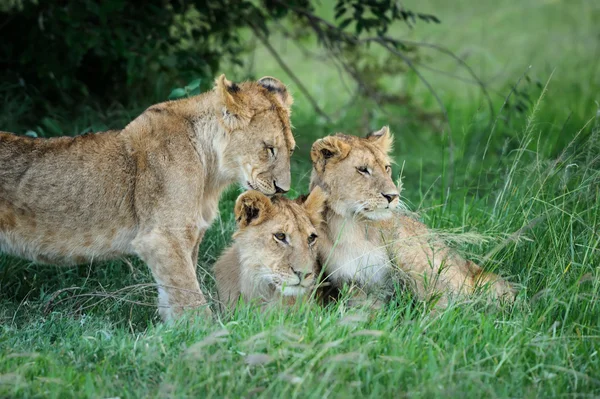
(355, 253)
(210, 139)
(352, 228)
(212, 142)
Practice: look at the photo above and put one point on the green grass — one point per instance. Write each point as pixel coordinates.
(528, 209)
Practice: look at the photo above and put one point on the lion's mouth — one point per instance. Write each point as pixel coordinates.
(375, 210)
(378, 213)
(250, 185)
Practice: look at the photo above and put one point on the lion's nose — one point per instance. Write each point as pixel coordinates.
(390, 197)
(279, 190)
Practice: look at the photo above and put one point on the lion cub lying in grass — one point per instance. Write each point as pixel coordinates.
(274, 254)
(363, 240)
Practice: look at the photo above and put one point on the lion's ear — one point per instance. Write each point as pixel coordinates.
(278, 89)
(315, 205)
(329, 149)
(235, 115)
(383, 139)
(251, 208)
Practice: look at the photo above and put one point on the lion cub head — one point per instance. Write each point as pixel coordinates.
(274, 252)
(256, 116)
(355, 173)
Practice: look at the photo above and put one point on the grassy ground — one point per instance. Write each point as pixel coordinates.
(522, 195)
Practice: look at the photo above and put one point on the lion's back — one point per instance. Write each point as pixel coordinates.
(62, 197)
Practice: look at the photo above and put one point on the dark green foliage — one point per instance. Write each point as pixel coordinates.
(376, 16)
(67, 50)
(64, 53)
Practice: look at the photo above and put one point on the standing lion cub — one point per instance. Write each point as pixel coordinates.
(363, 240)
(274, 255)
(151, 189)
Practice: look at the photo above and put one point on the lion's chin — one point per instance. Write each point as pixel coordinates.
(294, 290)
(378, 214)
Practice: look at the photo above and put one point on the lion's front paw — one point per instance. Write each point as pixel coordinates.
(505, 291)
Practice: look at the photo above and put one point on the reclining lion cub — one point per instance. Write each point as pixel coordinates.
(363, 239)
(151, 189)
(274, 255)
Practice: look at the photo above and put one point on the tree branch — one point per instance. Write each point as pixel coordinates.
(289, 72)
(459, 60)
(315, 21)
(435, 95)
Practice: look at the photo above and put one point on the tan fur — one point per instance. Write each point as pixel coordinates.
(363, 239)
(258, 266)
(150, 189)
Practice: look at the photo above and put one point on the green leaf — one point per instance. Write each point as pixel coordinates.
(339, 5)
(339, 13)
(359, 27)
(177, 93)
(194, 84)
(345, 23)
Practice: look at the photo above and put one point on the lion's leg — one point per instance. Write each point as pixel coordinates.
(169, 256)
(429, 274)
(446, 274)
(426, 284)
(197, 248)
(434, 272)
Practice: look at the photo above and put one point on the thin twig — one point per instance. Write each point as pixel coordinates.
(437, 98)
(289, 72)
(363, 87)
(315, 21)
(512, 90)
(459, 60)
(428, 67)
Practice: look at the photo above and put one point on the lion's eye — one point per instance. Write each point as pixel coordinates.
(388, 169)
(271, 151)
(312, 238)
(363, 170)
(280, 237)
